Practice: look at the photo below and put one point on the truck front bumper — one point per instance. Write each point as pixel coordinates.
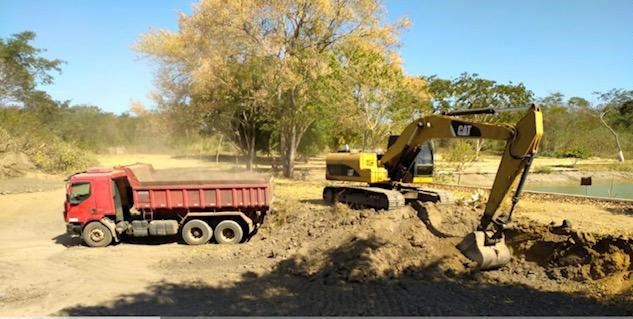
(73, 230)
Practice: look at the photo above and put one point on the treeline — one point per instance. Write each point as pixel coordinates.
(576, 128)
(54, 135)
(63, 138)
(573, 127)
(304, 77)
(288, 80)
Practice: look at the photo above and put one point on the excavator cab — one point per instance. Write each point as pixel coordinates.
(422, 169)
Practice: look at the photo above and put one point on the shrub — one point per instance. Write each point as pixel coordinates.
(579, 152)
(542, 170)
(57, 156)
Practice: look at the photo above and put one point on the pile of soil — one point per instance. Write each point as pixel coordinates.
(421, 244)
(601, 263)
(14, 164)
(383, 245)
(337, 246)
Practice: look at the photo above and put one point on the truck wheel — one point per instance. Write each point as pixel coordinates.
(228, 232)
(96, 234)
(196, 232)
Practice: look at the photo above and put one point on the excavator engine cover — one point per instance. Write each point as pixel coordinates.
(492, 256)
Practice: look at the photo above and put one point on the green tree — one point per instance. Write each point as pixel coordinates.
(382, 98)
(469, 91)
(578, 102)
(552, 99)
(22, 68)
(620, 104)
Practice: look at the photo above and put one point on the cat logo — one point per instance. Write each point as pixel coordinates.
(464, 130)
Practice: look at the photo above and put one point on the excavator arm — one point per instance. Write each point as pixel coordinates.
(485, 245)
(397, 158)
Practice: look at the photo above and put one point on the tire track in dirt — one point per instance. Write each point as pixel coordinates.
(40, 267)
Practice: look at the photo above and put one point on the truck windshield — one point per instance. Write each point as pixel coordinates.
(79, 192)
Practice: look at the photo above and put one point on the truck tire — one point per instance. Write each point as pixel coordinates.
(228, 232)
(196, 232)
(96, 234)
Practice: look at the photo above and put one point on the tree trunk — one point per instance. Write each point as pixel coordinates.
(289, 151)
(251, 153)
(617, 140)
(217, 150)
(479, 144)
(201, 148)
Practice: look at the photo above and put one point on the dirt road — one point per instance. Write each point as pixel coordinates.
(308, 259)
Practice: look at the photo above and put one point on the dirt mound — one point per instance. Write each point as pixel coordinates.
(584, 260)
(338, 244)
(601, 263)
(14, 164)
(388, 245)
(453, 220)
(7, 143)
(420, 243)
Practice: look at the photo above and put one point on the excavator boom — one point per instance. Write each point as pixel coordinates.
(522, 139)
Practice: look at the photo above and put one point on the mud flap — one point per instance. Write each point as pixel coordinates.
(111, 226)
(486, 256)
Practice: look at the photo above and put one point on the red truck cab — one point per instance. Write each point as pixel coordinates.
(103, 204)
(89, 197)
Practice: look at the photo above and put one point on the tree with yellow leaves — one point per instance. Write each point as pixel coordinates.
(294, 45)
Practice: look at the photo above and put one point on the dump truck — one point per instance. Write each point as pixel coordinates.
(104, 205)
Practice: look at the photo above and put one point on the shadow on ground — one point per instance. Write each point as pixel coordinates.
(70, 241)
(339, 287)
(318, 202)
(67, 240)
(621, 210)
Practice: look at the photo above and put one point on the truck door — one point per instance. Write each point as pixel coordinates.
(82, 204)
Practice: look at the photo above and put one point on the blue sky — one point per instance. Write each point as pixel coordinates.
(572, 46)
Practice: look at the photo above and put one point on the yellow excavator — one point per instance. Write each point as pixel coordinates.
(390, 175)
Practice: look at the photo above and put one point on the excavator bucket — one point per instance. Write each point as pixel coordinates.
(492, 256)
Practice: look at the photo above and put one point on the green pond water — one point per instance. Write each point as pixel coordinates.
(616, 190)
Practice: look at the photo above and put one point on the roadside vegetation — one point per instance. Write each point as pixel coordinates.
(285, 82)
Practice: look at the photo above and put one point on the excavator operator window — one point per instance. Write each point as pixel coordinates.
(424, 161)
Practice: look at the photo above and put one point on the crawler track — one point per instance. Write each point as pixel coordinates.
(364, 197)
